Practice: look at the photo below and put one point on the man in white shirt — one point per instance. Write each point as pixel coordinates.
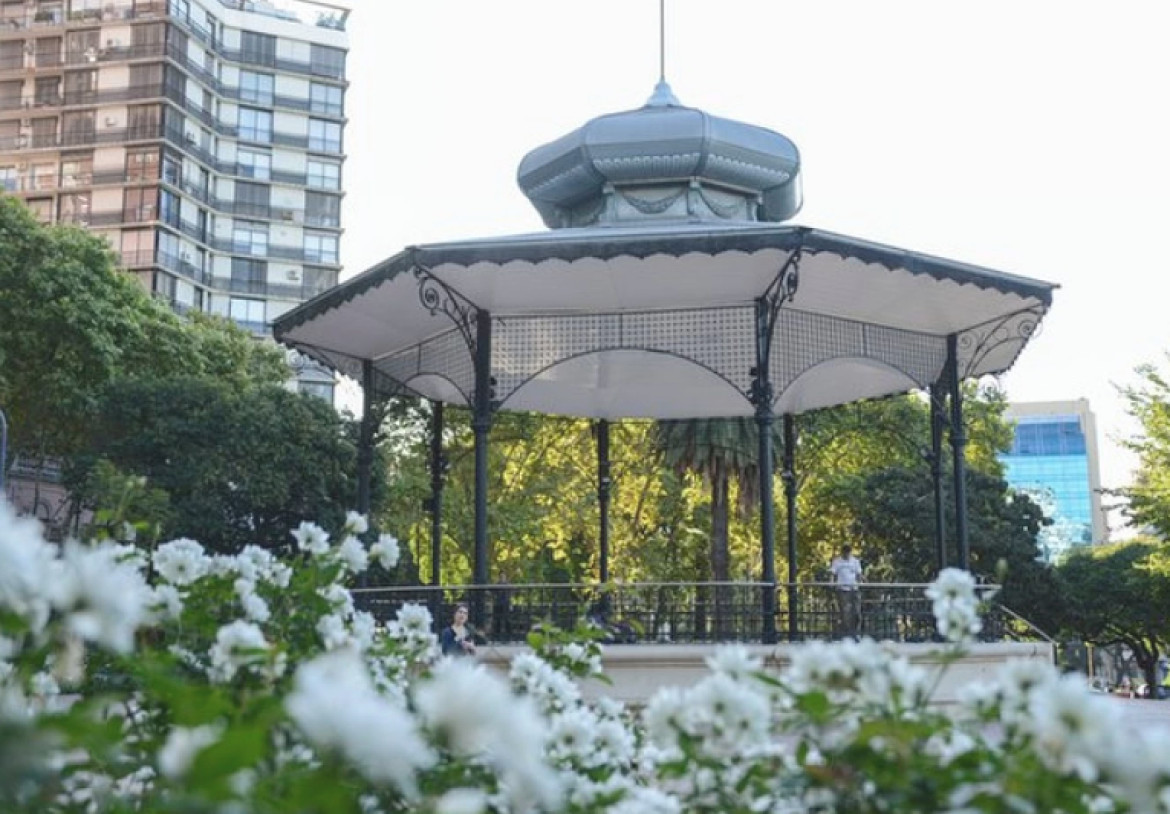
(847, 575)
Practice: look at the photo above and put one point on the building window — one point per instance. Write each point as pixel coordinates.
(324, 137)
(80, 86)
(143, 121)
(249, 276)
(42, 209)
(321, 390)
(250, 237)
(168, 207)
(317, 280)
(327, 61)
(254, 164)
(80, 128)
(257, 87)
(322, 209)
(323, 174)
(325, 99)
(255, 125)
(258, 49)
(147, 78)
(76, 170)
(9, 179)
(74, 208)
(253, 199)
(137, 247)
(48, 91)
(44, 132)
(249, 312)
(48, 52)
(138, 204)
(320, 247)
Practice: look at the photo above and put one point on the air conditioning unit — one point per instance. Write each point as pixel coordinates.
(287, 214)
(110, 121)
(294, 275)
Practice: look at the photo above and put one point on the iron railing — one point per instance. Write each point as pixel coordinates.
(680, 612)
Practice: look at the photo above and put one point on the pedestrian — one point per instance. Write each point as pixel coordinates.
(847, 576)
(458, 638)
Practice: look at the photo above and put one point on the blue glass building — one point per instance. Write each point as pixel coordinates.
(1053, 459)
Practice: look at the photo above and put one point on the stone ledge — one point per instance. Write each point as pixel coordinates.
(638, 670)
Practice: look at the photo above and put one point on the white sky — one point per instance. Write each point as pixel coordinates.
(1029, 136)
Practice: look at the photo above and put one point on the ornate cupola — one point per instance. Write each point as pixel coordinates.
(663, 162)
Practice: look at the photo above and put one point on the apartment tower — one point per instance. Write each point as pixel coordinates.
(202, 138)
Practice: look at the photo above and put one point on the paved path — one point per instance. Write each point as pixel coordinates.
(1140, 712)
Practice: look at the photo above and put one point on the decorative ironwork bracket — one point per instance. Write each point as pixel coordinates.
(781, 290)
(439, 298)
(980, 341)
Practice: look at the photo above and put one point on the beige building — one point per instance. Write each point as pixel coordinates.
(202, 138)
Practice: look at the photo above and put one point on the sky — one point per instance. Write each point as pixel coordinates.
(1030, 137)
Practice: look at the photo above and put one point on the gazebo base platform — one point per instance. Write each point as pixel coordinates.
(639, 670)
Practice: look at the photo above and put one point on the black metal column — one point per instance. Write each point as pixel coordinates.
(481, 424)
(438, 476)
(365, 450)
(789, 476)
(958, 451)
(938, 420)
(604, 484)
(762, 396)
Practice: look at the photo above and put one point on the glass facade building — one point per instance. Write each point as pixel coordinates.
(1053, 459)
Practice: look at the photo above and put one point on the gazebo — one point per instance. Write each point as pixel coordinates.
(669, 285)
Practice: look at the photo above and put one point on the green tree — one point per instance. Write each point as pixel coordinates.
(240, 466)
(1149, 495)
(71, 323)
(1118, 595)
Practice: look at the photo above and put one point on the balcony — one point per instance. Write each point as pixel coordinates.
(110, 12)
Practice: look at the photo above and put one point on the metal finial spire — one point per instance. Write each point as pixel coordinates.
(662, 41)
(663, 96)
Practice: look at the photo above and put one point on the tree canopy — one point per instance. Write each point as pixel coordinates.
(239, 466)
(1118, 595)
(71, 323)
(1149, 495)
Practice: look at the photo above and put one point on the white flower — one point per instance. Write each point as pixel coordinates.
(26, 568)
(734, 660)
(331, 629)
(255, 608)
(386, 551)
(462, 801)
(181, 561)
(353, 554)
(311, 538)
(337, 708)
(183, 746)
(339, 598)
(356, 523)
(106, 600)
(166, 603)
(240, 644)
(477, 715)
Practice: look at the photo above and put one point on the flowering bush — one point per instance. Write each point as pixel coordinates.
(176, 681)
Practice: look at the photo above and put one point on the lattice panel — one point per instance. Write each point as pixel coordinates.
(802, 341)
(445, 355)
(721, 339)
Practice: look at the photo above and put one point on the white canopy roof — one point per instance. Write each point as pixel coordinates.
(659, 321)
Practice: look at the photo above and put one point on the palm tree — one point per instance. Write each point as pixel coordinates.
(719, 450)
